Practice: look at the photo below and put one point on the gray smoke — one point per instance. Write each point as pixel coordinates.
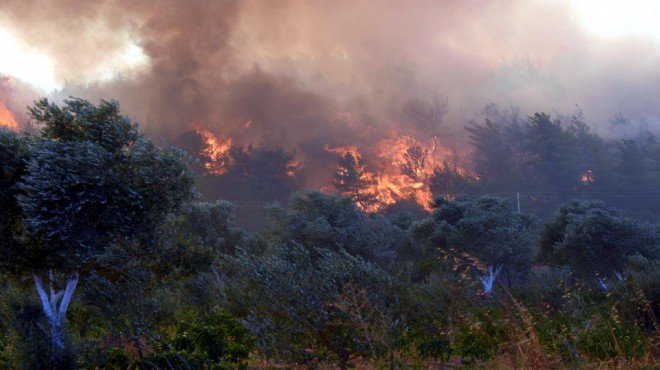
(339, 71)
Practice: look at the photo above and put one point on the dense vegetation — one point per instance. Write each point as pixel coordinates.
(132, 271)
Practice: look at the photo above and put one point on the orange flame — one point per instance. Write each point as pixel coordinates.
(341, 150)
(7, 118)
(216, 150)
(390, 183)
(587, 177)
(292, 167)
(393, 184)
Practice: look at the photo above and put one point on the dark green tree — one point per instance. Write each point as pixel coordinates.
(13, 156)
(302, 304)
(447, 181)
(594, 239)
(91, 183)
(254, 174)
(317, 220)
(499, 159)
(485, 232)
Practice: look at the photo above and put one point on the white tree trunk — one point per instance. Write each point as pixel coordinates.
(489, 279)
(55, 310)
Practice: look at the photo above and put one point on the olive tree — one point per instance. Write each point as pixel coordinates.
(90, 182)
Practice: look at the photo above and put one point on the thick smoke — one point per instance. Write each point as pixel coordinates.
(335, 71)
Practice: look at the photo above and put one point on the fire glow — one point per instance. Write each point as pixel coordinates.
(215, 150)
(7, 118)
(396, 169)
(388, 182)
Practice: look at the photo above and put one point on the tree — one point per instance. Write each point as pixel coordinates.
(353, 181)
(13, 152)
(254, 174)
(485, 232)
(429, 117)
(553, 153)
(594, 239)
(308, 304)
(197, 235)
(316, 220)
(447, 181)
(415, 164)
(498, 158)
(92, 183)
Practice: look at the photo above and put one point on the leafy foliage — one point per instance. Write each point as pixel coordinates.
(317, 220)
(595, 239)
(93, 180)
(254, 174)
(295, 305)
(485, 228)
(169, 283)
(13, 155)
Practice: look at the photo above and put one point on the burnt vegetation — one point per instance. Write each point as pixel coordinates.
(541, 251)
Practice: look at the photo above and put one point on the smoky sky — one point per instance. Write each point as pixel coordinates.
(303, 71)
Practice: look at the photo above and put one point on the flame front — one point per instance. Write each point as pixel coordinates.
(392, 170)
(401, 170)
(587, 177)
(7, 118)
(215, 151)
(394, 184)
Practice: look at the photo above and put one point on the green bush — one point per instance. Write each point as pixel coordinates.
(480, 337)
(218, 341)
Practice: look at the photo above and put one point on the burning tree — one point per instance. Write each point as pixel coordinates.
(415, 164)
(448, 181)
(353, 181)
(429, 117)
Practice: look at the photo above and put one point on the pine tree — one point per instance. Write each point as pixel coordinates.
(415, 164)
(353, 181)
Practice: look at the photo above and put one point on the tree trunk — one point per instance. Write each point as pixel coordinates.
(55, 310)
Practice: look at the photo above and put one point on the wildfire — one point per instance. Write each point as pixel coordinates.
(388, 185)
(216, 150)
(341, 150)
(396, 184)
(394, 170)
(587, 177)
(292, 167)
(399, 169)
(7, 118)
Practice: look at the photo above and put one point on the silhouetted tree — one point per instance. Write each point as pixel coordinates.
(353, 181)
(415, 163)
(428, 117)
(498, 158)
(254, 175)
(553, 153)
(447, 181)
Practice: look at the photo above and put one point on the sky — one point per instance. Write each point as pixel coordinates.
(302, 70)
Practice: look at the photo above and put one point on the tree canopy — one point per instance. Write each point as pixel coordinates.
(593, 239)
(93, 180)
